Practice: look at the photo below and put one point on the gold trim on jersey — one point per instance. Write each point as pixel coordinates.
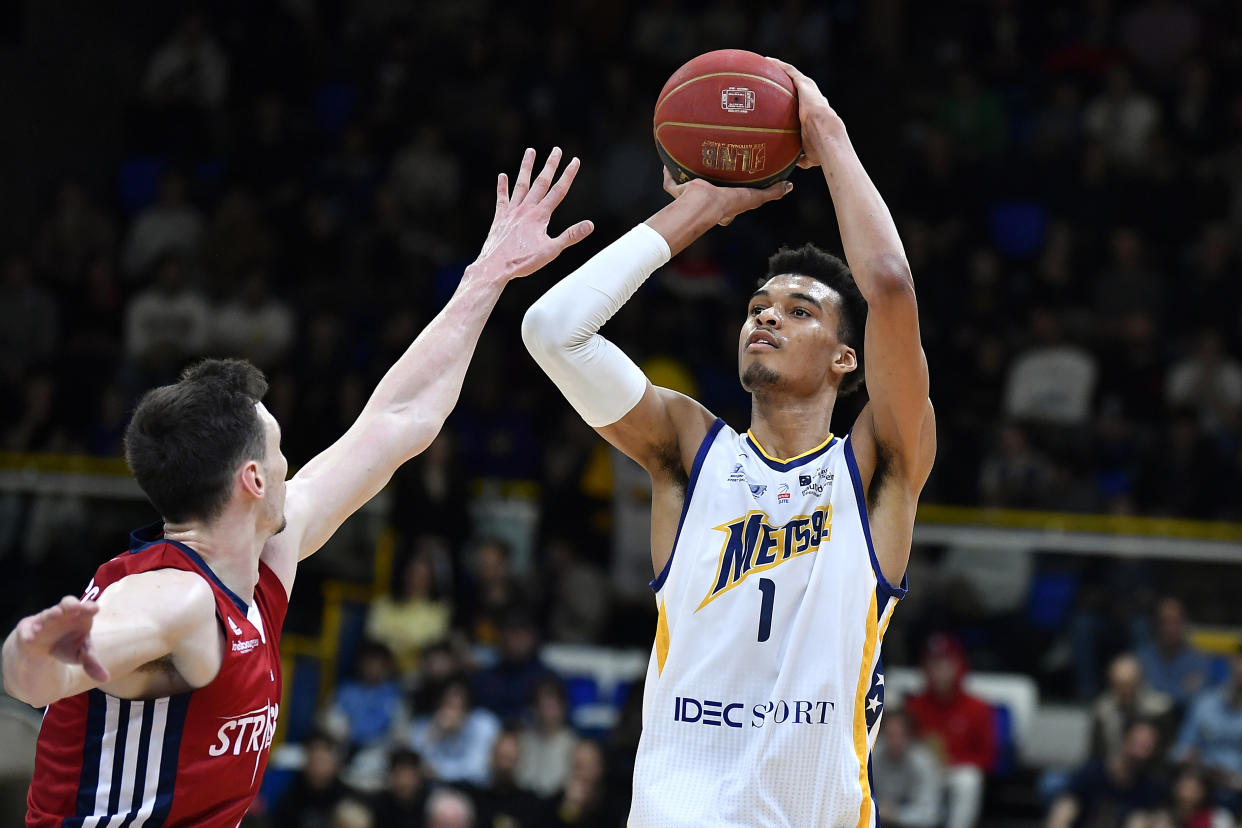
(860, 712)
(662, 639)
(764, 451)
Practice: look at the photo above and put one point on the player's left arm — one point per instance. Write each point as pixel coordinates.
(412, 401)
(896, 431)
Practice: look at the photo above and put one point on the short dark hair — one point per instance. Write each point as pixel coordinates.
(820, 265)
(185, 440)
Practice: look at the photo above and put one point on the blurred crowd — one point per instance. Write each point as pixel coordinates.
(302, 184)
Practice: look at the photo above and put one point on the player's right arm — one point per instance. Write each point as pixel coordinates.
(650, 424)
(659, 428)
(74, 646)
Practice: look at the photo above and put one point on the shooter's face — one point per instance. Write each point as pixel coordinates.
(789, 340)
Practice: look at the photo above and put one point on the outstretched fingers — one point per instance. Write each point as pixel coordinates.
(502, 192)
(559, 190)
(522, 187)
(539, 188)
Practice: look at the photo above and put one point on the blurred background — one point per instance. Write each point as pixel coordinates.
(302, 182)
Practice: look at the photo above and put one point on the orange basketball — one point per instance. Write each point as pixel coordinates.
(729, 117)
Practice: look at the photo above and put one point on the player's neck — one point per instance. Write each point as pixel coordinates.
(229, 545)
(789, 426)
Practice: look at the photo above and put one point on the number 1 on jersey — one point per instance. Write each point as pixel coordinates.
(768, 588)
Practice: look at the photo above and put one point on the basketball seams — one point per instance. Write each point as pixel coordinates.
(689, 81)
(692, 125)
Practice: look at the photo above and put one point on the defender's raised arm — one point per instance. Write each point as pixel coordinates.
(411, 402)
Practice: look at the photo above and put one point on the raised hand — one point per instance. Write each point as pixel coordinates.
(729, 201)
(62, 632)
(518, 243)
(812, 109)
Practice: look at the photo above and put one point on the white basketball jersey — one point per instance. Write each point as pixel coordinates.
(765, 688)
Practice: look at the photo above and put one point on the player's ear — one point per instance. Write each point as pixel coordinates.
(846, 360)
(252, 478)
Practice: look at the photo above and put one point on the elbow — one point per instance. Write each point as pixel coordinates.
(541, 332)
(890, 277)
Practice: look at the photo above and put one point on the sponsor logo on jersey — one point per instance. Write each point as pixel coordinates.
(246, 646)
(753, 545)
(738, 714)
(248, 733)
(757, 491)
(782, 494)
(737, 475)
(817, 484)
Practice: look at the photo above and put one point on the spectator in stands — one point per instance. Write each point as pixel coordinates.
(254, 325)
(1127, 698)
(72, 235)
(1170, 664)
(188, 70)
(350, 813)
(418, 616)
(371, 704)
(449, 808)
(1211, 735)
(172, 225)
(425, 175)
(1122, 118)
(403, 803)
(507, 686)
(586, 800)
(1052, 381)
(909, 788)
(502, 801)
(490, 591)
(1112, 790)
(1208, 382)
(165, 324)
(1190, 804)
(28, 318)
(237, 243)
(1015, 473)
(312, 797)
(547, 747)
(456, 739)
(579, 599)
(960, 726)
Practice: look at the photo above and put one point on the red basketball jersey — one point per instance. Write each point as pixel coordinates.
(193, 759)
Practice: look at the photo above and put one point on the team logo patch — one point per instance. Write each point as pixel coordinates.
(753, 545)
(816, 485)
(233, 626)
(782, 494)
(757, 491)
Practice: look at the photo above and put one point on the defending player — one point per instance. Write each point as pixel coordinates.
(779, 554)
(164, 680)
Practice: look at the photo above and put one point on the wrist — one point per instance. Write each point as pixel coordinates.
(823, 130)
(485, 275)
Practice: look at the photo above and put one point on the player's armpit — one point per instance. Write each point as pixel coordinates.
(142, 618)
(665, 427)
(163, 614)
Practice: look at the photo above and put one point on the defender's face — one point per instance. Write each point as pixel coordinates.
(789, 338)
(276, 468)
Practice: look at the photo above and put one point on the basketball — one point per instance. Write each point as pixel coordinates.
(729, 117)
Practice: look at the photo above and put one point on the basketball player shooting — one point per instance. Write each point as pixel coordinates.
(164, 680)
(778, 554)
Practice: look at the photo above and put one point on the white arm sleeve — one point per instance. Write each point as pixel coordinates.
(561, 329)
